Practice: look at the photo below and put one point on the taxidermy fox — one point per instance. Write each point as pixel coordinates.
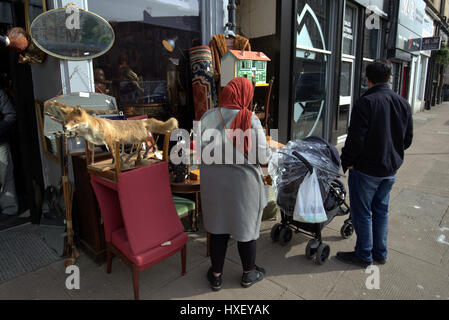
(100, 131)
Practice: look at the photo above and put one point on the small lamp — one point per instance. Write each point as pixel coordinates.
(170, 45)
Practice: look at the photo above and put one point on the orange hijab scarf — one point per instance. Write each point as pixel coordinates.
(238, 94)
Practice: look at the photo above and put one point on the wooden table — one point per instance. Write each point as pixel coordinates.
(186, 187)
(191, 186)
(274, 144)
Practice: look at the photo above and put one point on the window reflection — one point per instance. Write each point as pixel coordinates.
(348, 33)
(312, 24)
(310, 96)
(371, 52)
(364, 82)
(310, 68)
(144, 76)
(345, 78)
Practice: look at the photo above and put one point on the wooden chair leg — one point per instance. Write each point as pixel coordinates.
(197, 211)
(191, 214)
(135, 271)
(208, 244)
(183, 259)
(108, 259)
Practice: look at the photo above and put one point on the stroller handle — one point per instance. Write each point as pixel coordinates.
(304, 160)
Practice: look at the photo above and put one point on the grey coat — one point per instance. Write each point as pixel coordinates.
(232, 194)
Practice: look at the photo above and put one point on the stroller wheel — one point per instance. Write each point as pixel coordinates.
(346, 231)
(311, 248)
(275, 231)
(285, 236)
(322, 253)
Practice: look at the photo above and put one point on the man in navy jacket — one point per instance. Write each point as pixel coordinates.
(381, 128)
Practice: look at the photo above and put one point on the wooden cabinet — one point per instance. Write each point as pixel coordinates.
(87, 213)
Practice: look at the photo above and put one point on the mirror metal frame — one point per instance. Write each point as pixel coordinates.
(64, 57)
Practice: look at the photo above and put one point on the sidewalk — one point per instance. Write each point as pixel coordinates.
(417, 267)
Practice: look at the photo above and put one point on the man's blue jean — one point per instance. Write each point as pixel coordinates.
(369, 198)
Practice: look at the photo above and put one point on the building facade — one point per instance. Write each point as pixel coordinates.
(319, 50)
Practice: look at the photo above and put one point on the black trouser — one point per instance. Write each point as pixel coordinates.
(219, 244)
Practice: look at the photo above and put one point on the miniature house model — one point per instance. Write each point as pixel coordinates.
(249, 64)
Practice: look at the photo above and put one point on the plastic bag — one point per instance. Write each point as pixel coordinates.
(309, 203)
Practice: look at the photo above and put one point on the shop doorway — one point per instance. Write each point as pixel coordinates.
(23, 137)
(346, 97)
(347, 73)
(15, 185)
(26, 244)
(405, 82)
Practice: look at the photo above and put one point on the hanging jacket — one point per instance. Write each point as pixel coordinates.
(219, 48)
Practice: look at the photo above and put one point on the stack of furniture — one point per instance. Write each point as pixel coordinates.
(141, 223)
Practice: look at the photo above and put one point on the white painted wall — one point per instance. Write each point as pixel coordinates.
(416, 97)
(412, 82)
(257, 18)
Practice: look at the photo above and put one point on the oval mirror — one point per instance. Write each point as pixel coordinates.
(71, 33)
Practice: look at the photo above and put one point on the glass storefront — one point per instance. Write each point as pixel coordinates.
(310, 68)
(147, 69)
(349, 24)
(371, 51)
(395, 77)
(349, 52)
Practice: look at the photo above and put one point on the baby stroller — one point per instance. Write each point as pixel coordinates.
(288, 168)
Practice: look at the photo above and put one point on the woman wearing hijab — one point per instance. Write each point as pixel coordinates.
(233, 144)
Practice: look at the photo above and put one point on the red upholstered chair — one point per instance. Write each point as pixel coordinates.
(140, 220)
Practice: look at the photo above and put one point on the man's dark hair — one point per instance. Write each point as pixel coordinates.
(378, 71)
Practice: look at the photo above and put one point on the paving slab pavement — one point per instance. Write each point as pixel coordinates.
(417, 267)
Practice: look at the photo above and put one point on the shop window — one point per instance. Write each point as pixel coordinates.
(147, 68)
(364, 81)
(344, 106)
(345, 78)
(395, 79)
(310, 97)
(5, 13)
(312, 24)
(310, 68)
(349, 24)
(371, 46)
(371, 51)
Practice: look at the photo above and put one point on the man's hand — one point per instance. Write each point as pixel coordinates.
(350, 167)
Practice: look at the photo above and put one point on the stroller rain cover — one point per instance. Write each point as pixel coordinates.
(288, 171)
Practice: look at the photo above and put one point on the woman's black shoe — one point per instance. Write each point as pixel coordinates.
(250, 278)
(215, 282)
